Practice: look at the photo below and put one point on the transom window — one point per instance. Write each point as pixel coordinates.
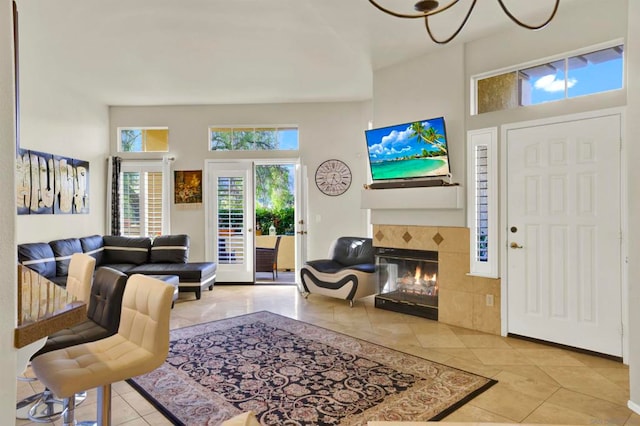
(253, 138)
(593, 71)
(143, 139)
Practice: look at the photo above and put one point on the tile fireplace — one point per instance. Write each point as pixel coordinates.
(408, 281)
(459, 298)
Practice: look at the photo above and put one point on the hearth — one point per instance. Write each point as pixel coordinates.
(408, 281)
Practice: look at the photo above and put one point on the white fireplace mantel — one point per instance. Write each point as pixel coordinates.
(432, 197)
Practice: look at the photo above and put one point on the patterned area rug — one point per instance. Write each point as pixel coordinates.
(292, 373)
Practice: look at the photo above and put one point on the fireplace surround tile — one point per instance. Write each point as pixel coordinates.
(455, 310)
(462, 297)
(486, 318)
(455, 240)
(453, 270)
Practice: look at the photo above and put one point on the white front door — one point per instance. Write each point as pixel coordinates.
(230, 218)
(564, 233)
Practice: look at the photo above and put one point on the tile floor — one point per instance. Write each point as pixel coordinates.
(537, 383)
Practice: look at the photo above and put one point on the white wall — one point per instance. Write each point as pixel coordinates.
(328, 130)
(8, 295)
(56, 120)
(429, 86)
(633, 155)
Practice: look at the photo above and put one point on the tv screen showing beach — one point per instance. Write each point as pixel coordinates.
(411, 150)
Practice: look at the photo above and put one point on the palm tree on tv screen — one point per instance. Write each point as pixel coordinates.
(428, 135)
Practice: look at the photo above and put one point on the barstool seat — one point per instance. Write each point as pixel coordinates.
(140, 346)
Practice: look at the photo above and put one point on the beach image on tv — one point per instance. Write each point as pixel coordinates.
(410, 150)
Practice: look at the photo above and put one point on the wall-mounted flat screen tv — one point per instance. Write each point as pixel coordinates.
(412, 150)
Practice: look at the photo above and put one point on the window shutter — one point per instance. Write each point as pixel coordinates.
(482, 201)
(231, 220)
(144, 199)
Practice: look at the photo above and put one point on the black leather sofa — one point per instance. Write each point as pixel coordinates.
(164, 255)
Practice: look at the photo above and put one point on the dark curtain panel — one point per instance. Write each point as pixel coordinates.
(116, 164)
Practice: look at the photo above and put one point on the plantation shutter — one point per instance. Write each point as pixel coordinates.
(153, 210)
(482, 201)
(481, 204)
(231, 220)
(144, 197)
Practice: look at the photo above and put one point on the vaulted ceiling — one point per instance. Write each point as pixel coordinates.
(178, 52)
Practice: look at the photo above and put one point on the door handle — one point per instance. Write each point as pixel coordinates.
(301, 232)
(515, 245)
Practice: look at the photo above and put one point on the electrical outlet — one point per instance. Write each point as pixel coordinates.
(489, 299)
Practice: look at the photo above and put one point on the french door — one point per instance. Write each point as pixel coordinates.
(564, 233)
(230, 218)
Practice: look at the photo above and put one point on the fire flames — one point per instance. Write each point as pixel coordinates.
(418, 283)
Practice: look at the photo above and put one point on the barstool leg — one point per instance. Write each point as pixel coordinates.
(68, 411)
(104, 409)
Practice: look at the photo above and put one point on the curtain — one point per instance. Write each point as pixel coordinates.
(113, 199)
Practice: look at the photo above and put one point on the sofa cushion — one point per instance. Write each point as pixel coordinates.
(93, 245)
(192, 272)
(170, 249)
(122, 267)
(62, 250)
(38, 257)
(119, 249)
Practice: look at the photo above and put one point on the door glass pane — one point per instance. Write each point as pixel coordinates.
(231, 220)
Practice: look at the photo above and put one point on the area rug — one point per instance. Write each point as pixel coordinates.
(289, 372)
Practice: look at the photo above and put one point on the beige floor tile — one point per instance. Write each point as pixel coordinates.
(528, 386)
(501, 357)
(157, 419)
(634, 420)
(483, 341)
(589, 382)
(537, 383)
(549, 413)
(555, 357)
(502, 400)
(619, 376)
(471, 413)
(530, 371)
(605, 412)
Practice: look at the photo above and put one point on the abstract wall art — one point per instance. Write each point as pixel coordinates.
(51, 184)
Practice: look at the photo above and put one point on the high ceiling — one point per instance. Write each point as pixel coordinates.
(183, 52)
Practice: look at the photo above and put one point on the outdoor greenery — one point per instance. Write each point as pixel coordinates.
(129, 138)
(274, 198)
(243, 139)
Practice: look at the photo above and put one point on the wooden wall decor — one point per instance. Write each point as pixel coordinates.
(51, 184)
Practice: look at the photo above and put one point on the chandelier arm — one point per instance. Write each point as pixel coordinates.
(464, 22)
(413, 16)
(530, 27)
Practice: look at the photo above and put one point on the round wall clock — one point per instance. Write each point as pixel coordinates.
(333, 177)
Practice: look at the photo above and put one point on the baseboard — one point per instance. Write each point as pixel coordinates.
(633, 407)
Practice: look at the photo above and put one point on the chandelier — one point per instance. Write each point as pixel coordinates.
(427, 8)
